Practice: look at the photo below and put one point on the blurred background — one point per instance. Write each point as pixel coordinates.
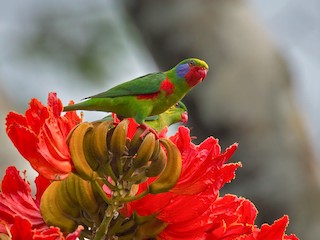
(262, 89)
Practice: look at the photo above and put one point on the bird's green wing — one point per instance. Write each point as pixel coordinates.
(143, 85)
(152, 118)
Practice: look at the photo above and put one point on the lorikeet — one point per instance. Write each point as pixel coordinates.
(148, 95)
(176, 113)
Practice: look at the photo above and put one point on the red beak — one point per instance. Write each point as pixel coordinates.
(203, 73)
(184, 117)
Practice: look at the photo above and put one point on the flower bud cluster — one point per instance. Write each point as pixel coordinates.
(108, 168)
(72, 202)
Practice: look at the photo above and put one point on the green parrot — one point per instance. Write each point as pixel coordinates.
(176, 113)
(148, 95)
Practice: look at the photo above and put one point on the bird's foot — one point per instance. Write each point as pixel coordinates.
(116, 119)
(148, 129)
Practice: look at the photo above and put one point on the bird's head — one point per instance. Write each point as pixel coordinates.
(193, 70)
(178, 112)
(184, 112)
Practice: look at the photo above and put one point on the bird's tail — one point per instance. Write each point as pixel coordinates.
(102, 104)
(77, 106)
(69, 108)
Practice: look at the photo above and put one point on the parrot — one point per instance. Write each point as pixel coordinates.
(176, 113)
(148, 95)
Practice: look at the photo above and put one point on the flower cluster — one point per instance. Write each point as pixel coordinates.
(20, 216)
(112, 179)
(40, 136)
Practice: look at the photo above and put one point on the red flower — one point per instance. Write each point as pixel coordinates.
(40, 136)
(193, 208)
(20, 214)
(204, 172)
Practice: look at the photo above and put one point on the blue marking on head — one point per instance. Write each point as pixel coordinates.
(182, 70)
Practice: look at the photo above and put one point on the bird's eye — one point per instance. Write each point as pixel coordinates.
(191, 63)
(177, 104)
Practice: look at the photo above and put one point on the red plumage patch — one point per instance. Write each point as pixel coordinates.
(148, 96)
(167, 86)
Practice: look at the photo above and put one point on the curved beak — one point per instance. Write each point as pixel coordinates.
(203, 72)
(184, 118)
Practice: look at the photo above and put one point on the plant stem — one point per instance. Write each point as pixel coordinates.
(99, 189)
(102, 231)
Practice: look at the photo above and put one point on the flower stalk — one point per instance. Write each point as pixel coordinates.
(102, 230)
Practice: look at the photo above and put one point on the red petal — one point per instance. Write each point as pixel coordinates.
(210, 144)
(54, 233)
(182, 138)
(203, 165)
(41, 183)
(235, 231)
(21, 229)
(16, 200)
(75, 234)
(274, 231)
(20, 135)
(55, 104)
(51, 233)
(53, 148)
(36, 115)
(291, 237)
(13, 183)
(196, 205)
(247, 212)
(132, 128)
(14, 118)
(150, 204)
